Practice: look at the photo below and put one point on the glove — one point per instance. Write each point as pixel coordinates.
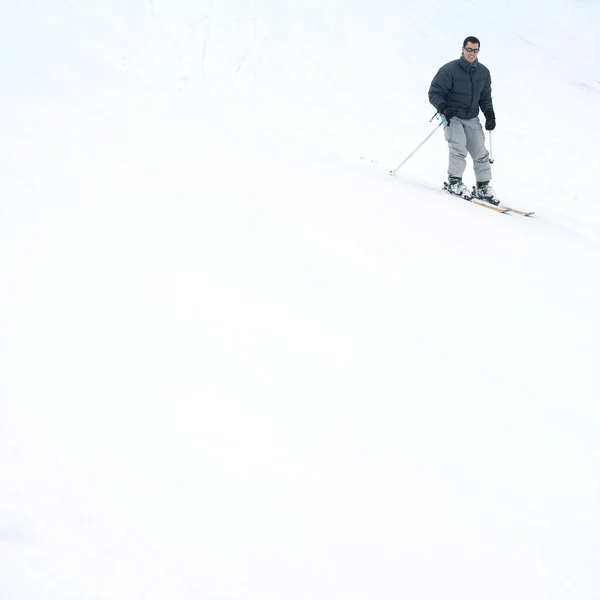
(447, 111)
(490, 120)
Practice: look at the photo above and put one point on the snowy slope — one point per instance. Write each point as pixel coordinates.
(239, 361)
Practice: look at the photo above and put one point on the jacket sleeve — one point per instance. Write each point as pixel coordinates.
(485, 100)
(439, 88)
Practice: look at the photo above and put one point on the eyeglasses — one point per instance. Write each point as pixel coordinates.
(476, 50)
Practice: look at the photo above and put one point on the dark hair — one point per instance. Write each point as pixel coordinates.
(471, 39)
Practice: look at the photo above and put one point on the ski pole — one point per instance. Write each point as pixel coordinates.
(491, 159)
(392, 173)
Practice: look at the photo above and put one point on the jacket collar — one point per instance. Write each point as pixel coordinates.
(466, 65)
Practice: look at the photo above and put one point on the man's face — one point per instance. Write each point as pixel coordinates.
(470, 52)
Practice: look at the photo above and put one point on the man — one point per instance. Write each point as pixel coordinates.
(458, 91)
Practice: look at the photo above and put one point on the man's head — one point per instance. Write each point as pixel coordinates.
(470, 49)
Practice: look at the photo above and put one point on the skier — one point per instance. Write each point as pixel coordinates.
(459, 89)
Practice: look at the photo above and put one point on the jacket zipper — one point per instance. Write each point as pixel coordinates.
(472, 88)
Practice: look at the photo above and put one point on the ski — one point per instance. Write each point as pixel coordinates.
(506, 208)
(517, 212)
(469, 198)
(501, 208)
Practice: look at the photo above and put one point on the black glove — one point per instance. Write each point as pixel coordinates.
(447, 111)
(490, 120)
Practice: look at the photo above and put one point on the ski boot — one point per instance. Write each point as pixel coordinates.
(456, 186)
(484, 191)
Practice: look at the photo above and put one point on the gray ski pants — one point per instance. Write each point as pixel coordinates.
(466, 135)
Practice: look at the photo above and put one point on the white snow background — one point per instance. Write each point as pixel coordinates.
(239, 361)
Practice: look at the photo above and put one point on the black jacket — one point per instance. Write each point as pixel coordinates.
(464, 86)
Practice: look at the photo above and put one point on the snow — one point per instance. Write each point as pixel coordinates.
(238, 360)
